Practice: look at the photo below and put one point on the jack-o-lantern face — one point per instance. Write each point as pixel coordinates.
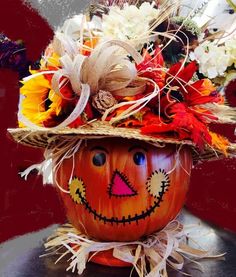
(121, 190)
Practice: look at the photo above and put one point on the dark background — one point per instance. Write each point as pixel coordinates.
(26, 206)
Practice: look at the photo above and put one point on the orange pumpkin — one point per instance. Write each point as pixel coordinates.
(122, 190)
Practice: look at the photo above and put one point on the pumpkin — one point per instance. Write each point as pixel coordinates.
(122, 190)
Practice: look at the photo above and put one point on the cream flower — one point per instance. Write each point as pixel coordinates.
(230, 46)
(74, 25)
(213, 59)
(129, 23)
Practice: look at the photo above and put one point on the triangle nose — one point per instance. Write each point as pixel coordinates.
(120, 185)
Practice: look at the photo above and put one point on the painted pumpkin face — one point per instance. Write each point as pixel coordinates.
(121, 190)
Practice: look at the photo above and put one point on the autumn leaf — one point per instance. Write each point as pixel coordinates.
(219, 142)
(201, 92)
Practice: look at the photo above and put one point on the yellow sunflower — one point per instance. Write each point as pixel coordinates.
(40, 103)
(50, 60)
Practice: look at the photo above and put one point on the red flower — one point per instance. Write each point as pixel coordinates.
(151, 67)
(177, 76)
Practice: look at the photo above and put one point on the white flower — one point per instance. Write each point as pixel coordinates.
(230, 46)
(129, 23)
(74, 25)
(213, 59)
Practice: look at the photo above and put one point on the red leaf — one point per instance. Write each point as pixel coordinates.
(82, 119)
(184, 119)
(77, 122)
(156, 126)
(201, 92)
(183, 123)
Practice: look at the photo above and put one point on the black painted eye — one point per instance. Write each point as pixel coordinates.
(139, 158)
(99, 159)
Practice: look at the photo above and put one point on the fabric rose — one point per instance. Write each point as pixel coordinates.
(103, 100)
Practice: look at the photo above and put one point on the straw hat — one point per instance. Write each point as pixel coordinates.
(49, 138)
(92, 85)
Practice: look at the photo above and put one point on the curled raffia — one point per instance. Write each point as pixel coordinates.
(166, 247)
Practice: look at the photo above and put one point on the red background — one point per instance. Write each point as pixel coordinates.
(27, 205)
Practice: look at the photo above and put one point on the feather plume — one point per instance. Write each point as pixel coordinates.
(224, 113)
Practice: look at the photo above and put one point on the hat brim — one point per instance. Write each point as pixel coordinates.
(49, 137)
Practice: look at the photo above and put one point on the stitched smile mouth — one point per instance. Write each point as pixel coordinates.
(129, 218)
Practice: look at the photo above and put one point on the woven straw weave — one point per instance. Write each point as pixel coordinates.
(47, 138)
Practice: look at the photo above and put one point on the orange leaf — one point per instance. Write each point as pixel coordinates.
(219, 142)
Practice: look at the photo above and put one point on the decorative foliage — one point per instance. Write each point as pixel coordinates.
(111, 68)
(188, 24)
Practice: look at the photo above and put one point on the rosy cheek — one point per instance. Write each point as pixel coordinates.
(158, 183)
